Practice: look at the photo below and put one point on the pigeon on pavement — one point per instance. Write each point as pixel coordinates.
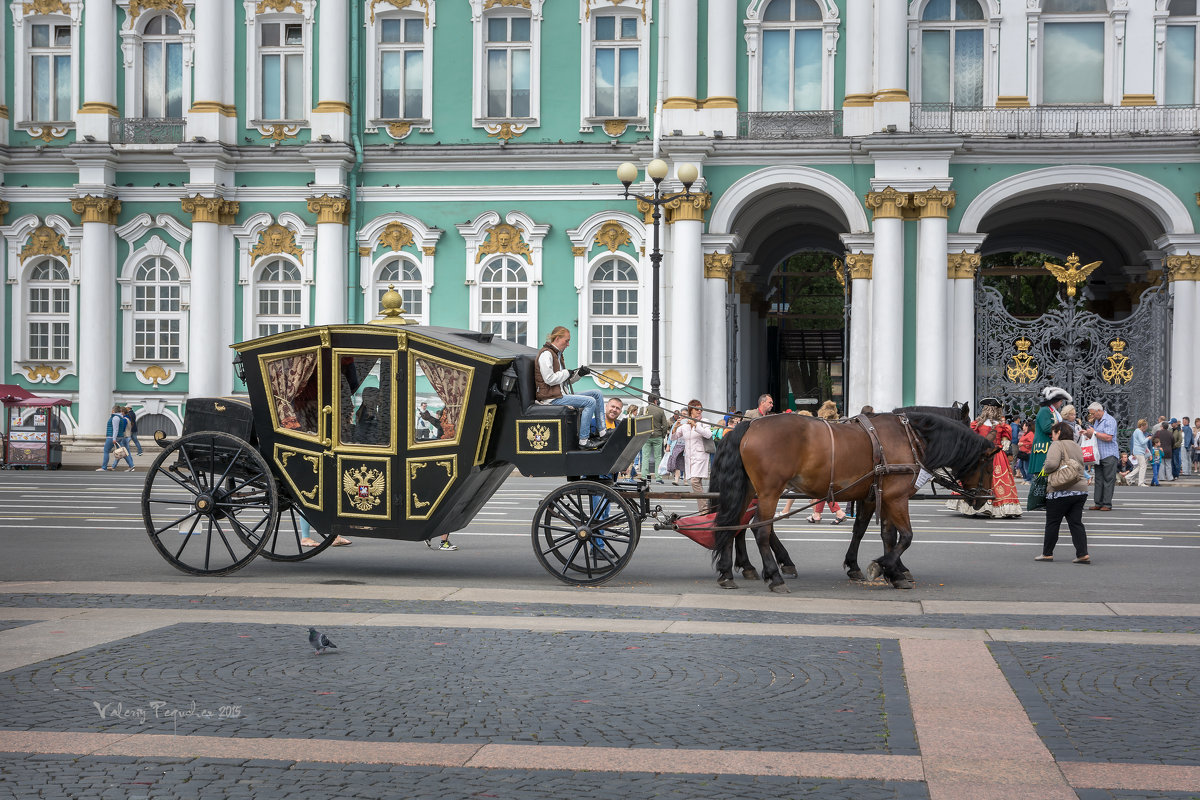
(319, 641)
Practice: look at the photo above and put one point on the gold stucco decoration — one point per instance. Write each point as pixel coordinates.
(279, 132)
(506, 4)
(503, 238)
(396, 236)
(45, 241)
(400, 5)
(47, 133)
(276, 239)
(504, 130)
(587, 13)
(1071, 273)
(203, 209)
(933, 203)
(861, 265)
(688, 208)
(136, 7)
(887, 204)
(43, 373)
(97, 209)
(612, 235)
(399, 130)
(45, 7)
(1117, 369)
(278, 5)
(329, 209)
(615, 127)
(579, 252)
(962, 266)
(1183, 268)
(3, 211)
(718, 265)
(155, 373)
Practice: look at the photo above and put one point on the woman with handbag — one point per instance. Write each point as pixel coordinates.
(1066, 493)
(115, 443)
(1053, 399)
(694, 434)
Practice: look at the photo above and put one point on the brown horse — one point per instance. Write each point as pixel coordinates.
(836, 460)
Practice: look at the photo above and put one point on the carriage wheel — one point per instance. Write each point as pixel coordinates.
(284, 544)
(209, 503)
(584, 533)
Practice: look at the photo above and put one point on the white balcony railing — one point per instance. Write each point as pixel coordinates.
(1039, 121)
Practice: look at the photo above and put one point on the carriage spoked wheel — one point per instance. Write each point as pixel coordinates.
(209, 503)
(584, 533)
(287, 541)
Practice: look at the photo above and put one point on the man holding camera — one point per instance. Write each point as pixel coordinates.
(553, 383)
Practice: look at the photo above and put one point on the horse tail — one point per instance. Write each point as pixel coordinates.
(731, 483)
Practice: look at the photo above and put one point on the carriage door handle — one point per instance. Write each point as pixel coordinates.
(326, 420)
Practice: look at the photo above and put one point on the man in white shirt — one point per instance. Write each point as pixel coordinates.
(552, 381)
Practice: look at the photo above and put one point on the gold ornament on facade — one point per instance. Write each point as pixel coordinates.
(228, 212)
(431, 250)
(45, 241)
(962, 266)
(202, 209)
(45, 7)
(399, 130)
(276, 239)
(506, 4)
(646, 210)
(279, 131)
(1117, 369)
(43, 373)
(47, 133)
(329, 209)
(838, 269)
(887, 204)
(97, 209)
(612, 235)
(364, 487)
(136, 7)
(611, 379)
(503, 238)
(615, 127)
(3, 211)
(1183, 268)
(278, 5)
(396, 236)
(587, 10)
(1022, 368)
(154, 374)
(688, 209)
(934, 203)
(1071, 273)
(505, 130)
(861, 265)
(579, 252)
(400, 5)
(718, 265)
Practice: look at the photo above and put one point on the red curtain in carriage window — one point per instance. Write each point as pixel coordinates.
(287, 377)
(450, 383)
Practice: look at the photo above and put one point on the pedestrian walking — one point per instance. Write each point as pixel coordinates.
(1176, 449)
(1066, 495)
(1103, 431)
(1139, 448)
(1189, 444)
(131, 429)
(115, 443)
(1156, 461)
(652, 450)
(1053, 399)
(1166, 442)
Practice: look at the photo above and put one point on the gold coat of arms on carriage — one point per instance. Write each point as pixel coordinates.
(364, 487)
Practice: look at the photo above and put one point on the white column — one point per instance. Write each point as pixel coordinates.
(962, 332)
(858, 116)
(722, 54)
(858, 381)
(717, 269)
(97, 303)
(685, 380)
(886, 390)
(1139, 64)
(891, 65)
(932, 386)
(680, 103)
(1183, 348)
(206, 360)
(226, 258)
(211, 64)
(331, 117)
(329, 305)
(1013, 57)
(100, 75)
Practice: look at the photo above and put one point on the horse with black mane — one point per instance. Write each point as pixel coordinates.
(875, 457)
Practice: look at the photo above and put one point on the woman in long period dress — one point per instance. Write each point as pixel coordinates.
(1052, 399)
(1005, 503)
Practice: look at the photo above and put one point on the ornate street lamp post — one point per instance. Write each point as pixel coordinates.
(656, 170)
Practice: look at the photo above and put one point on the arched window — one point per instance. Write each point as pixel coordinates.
(156, 311)
(162, 68)
(952, 52)
(1180, 86)
(1073, 41)
(48, 316)
(277, 297)
(504, 300)
(406, 277)
(791, 56)
(613, 315)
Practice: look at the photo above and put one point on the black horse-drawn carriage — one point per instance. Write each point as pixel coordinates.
(338, 433)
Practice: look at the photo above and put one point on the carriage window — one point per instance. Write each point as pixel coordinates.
(365, 400)
(441, 390)
(295, 392)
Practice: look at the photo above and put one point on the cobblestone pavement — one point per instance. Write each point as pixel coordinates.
(1109, 702)
(133, 779)
(1149, 624)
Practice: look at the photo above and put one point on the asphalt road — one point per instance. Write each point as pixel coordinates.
(74, 525)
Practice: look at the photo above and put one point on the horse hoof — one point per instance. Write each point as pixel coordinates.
(789, 572)
(780, 588)
(856, 575)
(750, 574)
(874, 571)
(901, 583)
(727, 583)
(908, 576)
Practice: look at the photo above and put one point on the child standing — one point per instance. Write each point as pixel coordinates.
(1156, 457)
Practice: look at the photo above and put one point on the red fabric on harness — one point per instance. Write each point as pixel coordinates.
(700, 528)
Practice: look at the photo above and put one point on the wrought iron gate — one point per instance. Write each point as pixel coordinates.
(1122, 363)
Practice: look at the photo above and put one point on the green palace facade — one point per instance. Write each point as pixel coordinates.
(180, 175)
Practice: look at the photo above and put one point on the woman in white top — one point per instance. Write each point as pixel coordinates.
(695, 457)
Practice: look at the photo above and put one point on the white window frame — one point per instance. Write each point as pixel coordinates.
(132, 35)
(613, 319)
(753, 25)
(301, 319)
(587, 14)
(1162, 21)
(374, 16)
(379, 285)
(476, 233)
(246, 235)
(1114, 48)
(133, 232)
(23, 80)
(16, 237)
(50, 317)
(479, 19)
(254, 20)
(991, 47)
(422, 251)
(525, 286)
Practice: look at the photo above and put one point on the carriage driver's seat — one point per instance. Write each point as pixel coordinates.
(527, 395)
